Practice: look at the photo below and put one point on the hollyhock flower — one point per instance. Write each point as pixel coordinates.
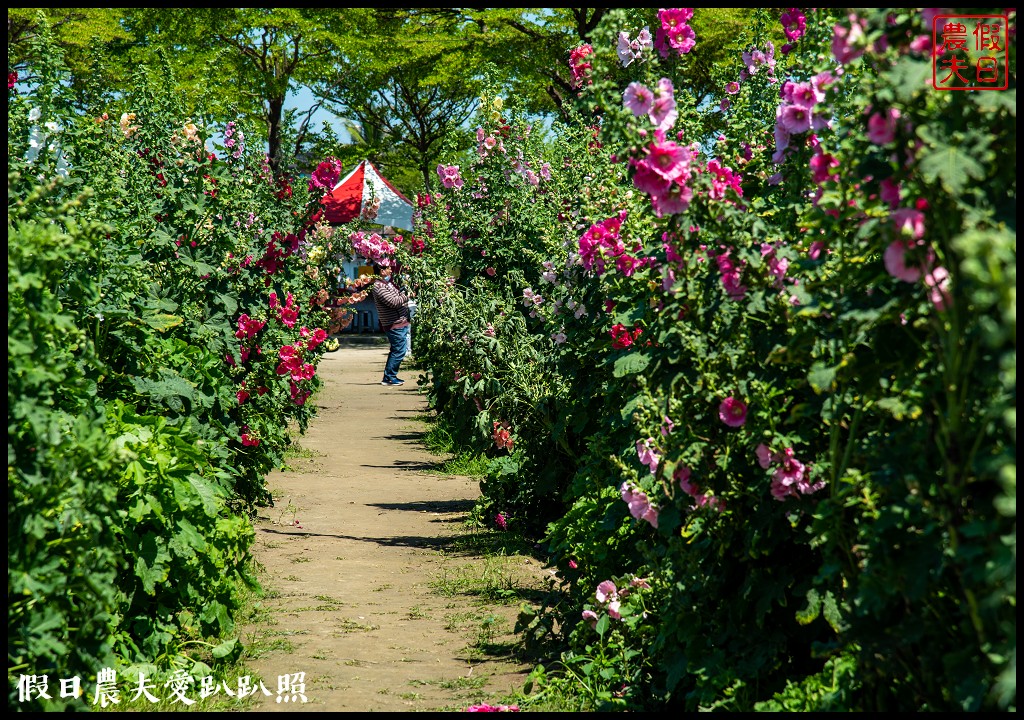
(732, 88)
(804, 94)
(848, 43)
(12, 78)
(590, 616)
(613, 610)
(484, 707)
(579, 65)
(889, 192)
(733, 412)
(882, 126)
(666, 425)
(663, 112)
(937, 281)
(675, 33)
(242, 396)
(814, 252)
(682, 476)
(326, 175)
(794, 23)
(249, 440)
(821, 165)
(449, 175)
(638, 99)
(898, 264)
(630, 50)
(676, 199)
(606, 592)
(647, 454)
(909, 223)
(794, 119)
(764, 455)
(501, 521)
(640, 506)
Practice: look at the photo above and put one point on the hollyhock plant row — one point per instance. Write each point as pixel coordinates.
(819, 294)
(152, 308)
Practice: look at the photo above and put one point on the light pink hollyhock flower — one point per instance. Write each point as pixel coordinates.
(663, 111)
(909, 222)
(733, 412)
(606, 591)
(764, 455)
(781, 143)
(795, 119)
(788, 477)
(882, 126)
(922, 44)
(937, 281)
(638, 99)
(591, 617)
(613, 610)
(648, 456)
(666, 425)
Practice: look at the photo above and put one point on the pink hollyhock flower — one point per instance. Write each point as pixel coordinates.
(676, 199)
(909, 222)
(591, 617)
(484, 707)
(573, 565)
(630, 50)
(640, 506)
(882, 126)
(449, 176)
(731, 88)
(794, 119)
(764, 455)
(663, 112)
(821, 166)
(804, 94)
(937, 281)
(250, 441)
(848, 43)
(903, 268)
(242, 396)
(682, 476)
(733, 412)
(501, 521)
(817, 247)
(638, 98)
(889, 192)
(666, 425)
(647, 454)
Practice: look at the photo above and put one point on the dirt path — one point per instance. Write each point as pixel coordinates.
(362, 555)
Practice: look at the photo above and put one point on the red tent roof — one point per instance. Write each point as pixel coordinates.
(365, 192)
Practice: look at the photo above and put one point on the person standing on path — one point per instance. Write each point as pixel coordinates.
(393, 311)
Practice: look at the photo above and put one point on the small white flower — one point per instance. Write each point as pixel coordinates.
(34, 114)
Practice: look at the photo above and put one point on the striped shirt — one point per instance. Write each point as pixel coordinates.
(392, 305)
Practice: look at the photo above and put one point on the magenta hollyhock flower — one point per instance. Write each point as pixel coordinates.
(682, 476)
(848, 43)
(733, 412)
(326, 175)
(889, 192)
(817, 247)
(821, 166)
(663, 112)
(882, 126)
(731, 88)
(638, 99)
(501, 521)
(764, 455)
(484, 707)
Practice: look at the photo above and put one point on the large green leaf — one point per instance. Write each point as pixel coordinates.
(631, 364)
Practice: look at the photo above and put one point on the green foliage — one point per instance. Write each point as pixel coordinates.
(156, 295)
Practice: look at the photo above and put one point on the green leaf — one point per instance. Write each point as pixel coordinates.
(813, 609)
(821, 378)
(631, 364)
(949, 165)
(226, 648)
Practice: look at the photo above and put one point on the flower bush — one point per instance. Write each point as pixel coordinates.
(767, 368)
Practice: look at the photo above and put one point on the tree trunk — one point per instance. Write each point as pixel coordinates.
(275, 111)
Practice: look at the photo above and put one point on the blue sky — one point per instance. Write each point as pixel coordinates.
(302, 99)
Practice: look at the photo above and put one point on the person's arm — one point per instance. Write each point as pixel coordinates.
(389, 296)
